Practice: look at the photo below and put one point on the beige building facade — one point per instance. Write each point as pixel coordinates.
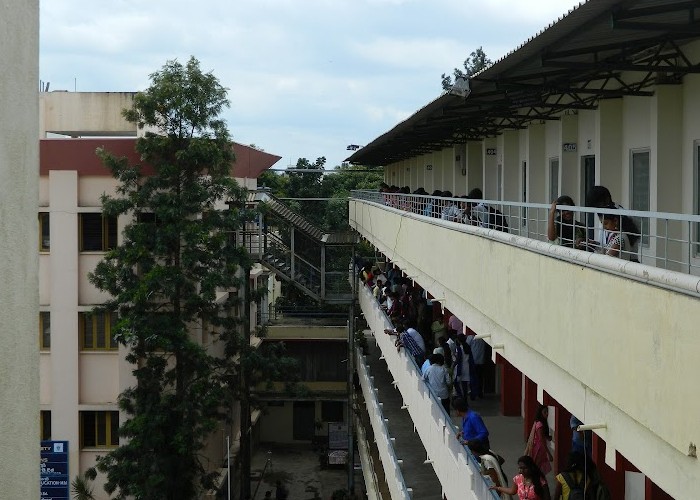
(82, 369)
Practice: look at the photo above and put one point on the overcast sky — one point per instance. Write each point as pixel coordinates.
(306, 77)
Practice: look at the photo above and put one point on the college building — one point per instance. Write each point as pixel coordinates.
(607, 95)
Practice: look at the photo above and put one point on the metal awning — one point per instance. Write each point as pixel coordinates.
(601, 49)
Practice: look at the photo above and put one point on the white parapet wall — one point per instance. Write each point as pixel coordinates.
(392, 470)
(454, 466)
(611, 348)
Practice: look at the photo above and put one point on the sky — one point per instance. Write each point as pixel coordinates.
(306, 78)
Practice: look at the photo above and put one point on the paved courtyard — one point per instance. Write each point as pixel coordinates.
(298, 466)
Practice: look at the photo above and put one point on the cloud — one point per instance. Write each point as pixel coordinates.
(422, 54)
(303, 75)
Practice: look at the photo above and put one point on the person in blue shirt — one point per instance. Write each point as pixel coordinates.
(474, 433)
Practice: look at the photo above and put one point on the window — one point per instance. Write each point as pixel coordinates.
(44, 330)
(44, 232)
(332, 411)
(319, 361)
(640, 189)
(553, 179)
(99, 429)
(98, 233)
(45, 425)
(96, 331)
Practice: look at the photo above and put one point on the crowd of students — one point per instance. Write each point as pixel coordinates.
(619, 238)
(451, 361)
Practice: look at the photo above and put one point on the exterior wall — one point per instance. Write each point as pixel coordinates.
(19, 297)
(72, 380)
(305, 332)
(605, 346)
(277, 422)
(85, 113)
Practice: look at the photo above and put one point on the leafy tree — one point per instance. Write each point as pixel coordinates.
(163, 281)
(476, 61)
(81, 486)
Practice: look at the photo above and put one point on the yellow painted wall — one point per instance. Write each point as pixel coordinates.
(276, 332)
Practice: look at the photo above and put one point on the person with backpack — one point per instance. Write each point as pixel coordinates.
(572, 483)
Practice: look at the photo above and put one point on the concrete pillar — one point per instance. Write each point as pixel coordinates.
(561, 437)
(569, 160)
(64, 278)
(19, 250)
(459, 153)
(511, 387)
(509, 156)
(614, 479)
(490, 159)
(475, 166)
(653, 492)
(666, 169)
(530, 404)
(608, 141)
(537, 168)
(439, 173)
(417, 169)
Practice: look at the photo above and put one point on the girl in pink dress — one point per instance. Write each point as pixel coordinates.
(529, 484)
(537, 444)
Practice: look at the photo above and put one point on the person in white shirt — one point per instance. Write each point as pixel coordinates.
(438, 379)
(478, 348)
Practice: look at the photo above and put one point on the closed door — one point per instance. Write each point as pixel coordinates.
(304, 415)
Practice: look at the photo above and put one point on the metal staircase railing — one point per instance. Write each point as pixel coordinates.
(273, 246)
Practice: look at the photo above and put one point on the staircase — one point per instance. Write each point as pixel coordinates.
(277, 246)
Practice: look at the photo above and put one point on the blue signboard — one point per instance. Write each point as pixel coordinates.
(55, 482)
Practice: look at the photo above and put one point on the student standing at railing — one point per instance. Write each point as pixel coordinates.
(462, 366)
(621, 237)
(600, 197)
(561, 226)
(529, 484)
(437, 378)
(473, 432)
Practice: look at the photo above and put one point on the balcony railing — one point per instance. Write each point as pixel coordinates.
(455, 466)
(392, 470)
(665, 240)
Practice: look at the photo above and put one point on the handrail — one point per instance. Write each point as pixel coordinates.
(455, 466)
(392, 471)
(684, 277)
(666, 240)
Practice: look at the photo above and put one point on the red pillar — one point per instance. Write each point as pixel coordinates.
(511, 387)
(562, 433)
(614, 479)
(653, 492)
(530, 407)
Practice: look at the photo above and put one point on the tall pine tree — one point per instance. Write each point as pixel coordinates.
(163, 279)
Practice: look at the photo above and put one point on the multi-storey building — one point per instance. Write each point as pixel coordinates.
(82, 369)
(607, 95)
